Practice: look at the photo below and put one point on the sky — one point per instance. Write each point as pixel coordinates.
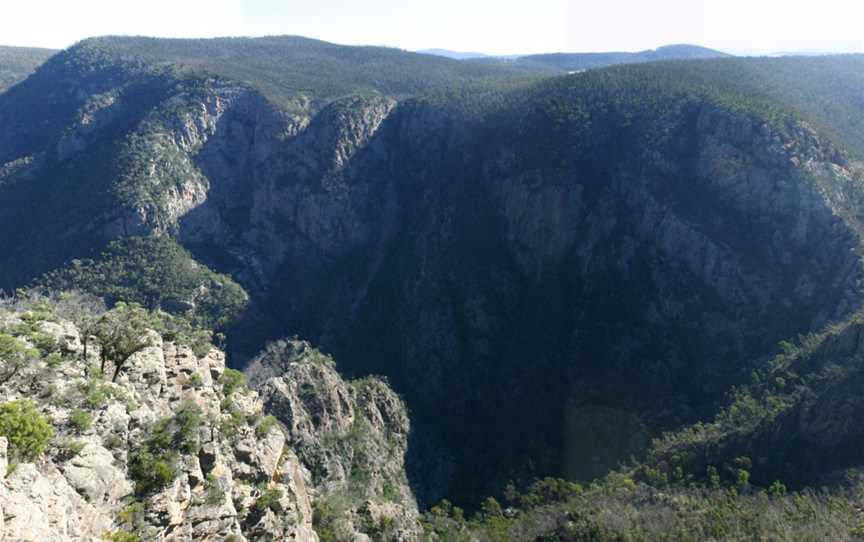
(488, 26)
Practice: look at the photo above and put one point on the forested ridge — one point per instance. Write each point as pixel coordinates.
(620, 304)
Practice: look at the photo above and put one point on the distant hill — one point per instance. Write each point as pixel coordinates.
(566, 62)
(16, 63)
(827, 90)
(290, 68)
(456, 55)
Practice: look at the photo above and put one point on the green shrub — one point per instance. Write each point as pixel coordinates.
(152, 472)
(69, 449)
(325, 521)
(46, 344)
(113, 442)
(269, 499)
(549, 491)
(187, 422)
(154, 465)
(195, 381)
(14, 355)
(133, 515)
(96, 393)
(27, 431)
(54, 360)
(121, 536)
(232, 380)
(179, 433)
(81, 420)
(777, 489)
(264, 426)
(230, 425)
(214, 494)
(491, 509)
(390, 491)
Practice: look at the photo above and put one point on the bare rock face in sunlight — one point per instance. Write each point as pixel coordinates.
(234, 476)
(551, 271)
(352, 435)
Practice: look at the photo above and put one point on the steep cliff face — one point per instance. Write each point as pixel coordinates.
(352, 435)
(527, 259)
(235, 475)
(534, 287)
(643, 284)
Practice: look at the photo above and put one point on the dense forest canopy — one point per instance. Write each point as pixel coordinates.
(16, 63)
(292, 69)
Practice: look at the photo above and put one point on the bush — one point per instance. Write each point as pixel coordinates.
(187, 421)
(177, 433)
(214, 494)
(14, 355)
(325, 520)
(152, 472)
(69, 449)
(195, 381)
(264, 427)
(26, 429)
(81, 420)
(133, 515)
(96, 393)
(53, 360)
(121, 536)
(269, 499)
(231, 423)
(232, 380)
(113, 442)
(154, 465)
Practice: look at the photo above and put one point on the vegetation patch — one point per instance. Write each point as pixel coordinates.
(27, 430)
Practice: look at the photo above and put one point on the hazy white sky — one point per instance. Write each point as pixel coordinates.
(491, 26)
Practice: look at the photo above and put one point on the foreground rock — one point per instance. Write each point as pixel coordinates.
(353, 436)
(235, 473)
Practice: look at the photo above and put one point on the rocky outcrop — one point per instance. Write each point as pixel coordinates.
(237, 477)
(353, 436)
(39, 505)
(513, 260)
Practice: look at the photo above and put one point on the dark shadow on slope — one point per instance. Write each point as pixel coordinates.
(501, 326)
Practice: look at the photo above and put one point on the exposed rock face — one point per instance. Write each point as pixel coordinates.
(83, 489)
(353, 436)
(513, 275)
(40, 505)
(511, 285)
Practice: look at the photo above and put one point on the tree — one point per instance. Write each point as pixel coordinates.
(122, 332)
(14, 354)
(26, 429)
(491, 509)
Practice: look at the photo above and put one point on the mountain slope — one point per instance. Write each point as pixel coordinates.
(291, 69)
(571, 62)
(826, 90)
(16, 63)
(569, 264)
(177, 446)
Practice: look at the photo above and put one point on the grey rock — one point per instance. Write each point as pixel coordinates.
(93, 474)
